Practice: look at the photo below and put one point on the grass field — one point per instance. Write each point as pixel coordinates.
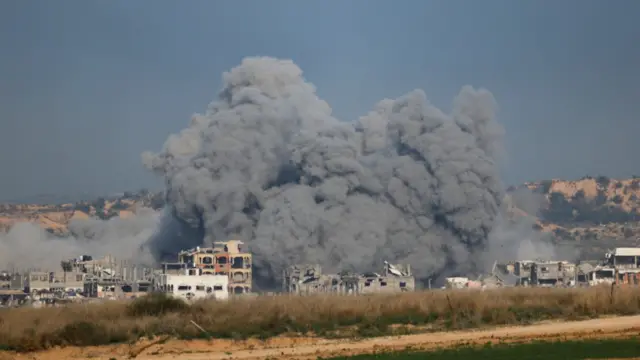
(27, 329)
(568, 350)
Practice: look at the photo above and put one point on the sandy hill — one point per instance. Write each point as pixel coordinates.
(55, 218)
(591, 210)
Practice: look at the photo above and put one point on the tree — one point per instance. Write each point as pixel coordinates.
(85, 208)
(601, 198)
(100, 203)
(559, 210)
(118, 205)
(579, 196)
(562, 233)
(603, 181)
(545, 186)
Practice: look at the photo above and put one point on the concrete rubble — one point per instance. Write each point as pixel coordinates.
(620, 266)
(309, 279)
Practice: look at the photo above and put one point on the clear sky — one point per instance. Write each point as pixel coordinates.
(87, 85)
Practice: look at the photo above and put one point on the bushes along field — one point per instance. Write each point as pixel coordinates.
(26, 329)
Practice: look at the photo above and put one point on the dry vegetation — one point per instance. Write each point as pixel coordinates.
(27, 329)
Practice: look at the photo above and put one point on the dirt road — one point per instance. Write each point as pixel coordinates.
(309, 348)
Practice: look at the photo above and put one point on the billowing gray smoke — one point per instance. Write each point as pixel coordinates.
(27, 245)
(514, 237)
(269, 164)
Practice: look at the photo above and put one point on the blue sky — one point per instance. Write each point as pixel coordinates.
(87, 85)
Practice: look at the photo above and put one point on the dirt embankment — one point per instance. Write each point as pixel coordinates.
(309, 348)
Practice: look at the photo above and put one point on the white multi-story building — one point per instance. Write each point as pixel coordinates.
(624, 258)
(193, 285)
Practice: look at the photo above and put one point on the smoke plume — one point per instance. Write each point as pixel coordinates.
(269, 164)
(515, 238)
(27, 245)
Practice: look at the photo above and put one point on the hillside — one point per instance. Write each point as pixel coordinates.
(56, 218)
(597, 212)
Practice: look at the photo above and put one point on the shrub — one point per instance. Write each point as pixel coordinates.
(156, 304)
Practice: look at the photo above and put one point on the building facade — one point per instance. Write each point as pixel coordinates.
(193, 286)
(226, 258)
(308, 279)
(62, 281)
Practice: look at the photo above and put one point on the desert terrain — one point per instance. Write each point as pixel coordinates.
(300, 348)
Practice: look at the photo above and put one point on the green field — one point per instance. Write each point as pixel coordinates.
(568, 350)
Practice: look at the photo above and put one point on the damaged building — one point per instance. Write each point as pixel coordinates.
(109, 278)
(226, 258)
(542, 272)
(620, 266)
(56, 281)
(309, 279)
(552, 273)
(501, 275)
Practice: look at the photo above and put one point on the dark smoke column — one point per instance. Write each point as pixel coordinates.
(268, 163)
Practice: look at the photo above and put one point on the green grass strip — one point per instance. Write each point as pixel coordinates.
(560, 350)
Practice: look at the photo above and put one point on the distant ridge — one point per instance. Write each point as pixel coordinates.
(596, 212)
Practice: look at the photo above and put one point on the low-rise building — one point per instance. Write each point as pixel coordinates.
(552, 273)
(541, 272)
(308, 279)
(66, 281)
(623, 258)
(37, 281)
(192, 286)
(55, 281)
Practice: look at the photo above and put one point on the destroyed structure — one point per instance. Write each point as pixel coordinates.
(199, 273)
(224, 258)
(620, 266)
(110, 278)
(499, 277)
(308, 279)
(625, 263)
(544, 273)
(225, 270)
(77, 279)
